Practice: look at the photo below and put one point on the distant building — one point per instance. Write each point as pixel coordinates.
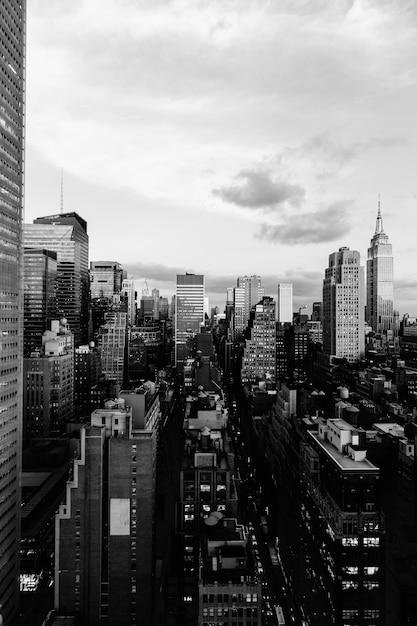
(344, 306)
(249, 291)
(259, 355)
(48, 401)
(189, 314)
(129, 293)
(87, 369)
(106, 278)
(39, 296)
(66, 234)
(285, 304)
(112, 344)
(380, 277)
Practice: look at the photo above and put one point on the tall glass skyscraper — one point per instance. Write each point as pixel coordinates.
(380, 280)
(12, 112)
(66, 234)
(40, 306)
(189, 314)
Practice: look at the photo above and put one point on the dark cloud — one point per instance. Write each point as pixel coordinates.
(259, 189)
(320, 226)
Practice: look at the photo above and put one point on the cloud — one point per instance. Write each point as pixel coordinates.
(320, 226)
(328, 154)
(259, 189)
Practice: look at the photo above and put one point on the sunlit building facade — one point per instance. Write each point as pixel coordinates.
(344, 306)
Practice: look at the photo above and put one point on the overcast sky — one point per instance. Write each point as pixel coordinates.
(227, 137)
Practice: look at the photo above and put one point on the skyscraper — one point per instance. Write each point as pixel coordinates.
(259, 356)
(343, 306)
(40, 289)
(379, 284)
(284, 304)
(189, 314)
(12, 110)
(249, 291)
(66, 234)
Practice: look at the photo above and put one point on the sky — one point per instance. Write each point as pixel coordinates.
(227, 137)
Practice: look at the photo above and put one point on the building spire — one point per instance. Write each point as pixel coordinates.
(379, 229)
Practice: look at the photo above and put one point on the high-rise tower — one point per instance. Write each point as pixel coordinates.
(249, 291)
(344, 306)
(39, 292)
(12, 110)
(284, 304)
(380, 277)
(66, 234)
(189, 314)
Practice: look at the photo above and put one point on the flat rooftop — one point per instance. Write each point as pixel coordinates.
(389, 428)
(344, 461)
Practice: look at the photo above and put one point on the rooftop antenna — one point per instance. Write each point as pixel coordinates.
(62, 191)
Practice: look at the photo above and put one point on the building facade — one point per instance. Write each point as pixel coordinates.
(343, 528)
(66, 234)
(112, 345)
(105, 529)
(344, 306)
(249, 291)
(12, 111)
(284, 304)
(380, 280)
(40, 296)
(259, 355)
(49, 385)
(189, 314)
(106, 278)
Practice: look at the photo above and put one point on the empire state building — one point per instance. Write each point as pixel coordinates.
(380, 277)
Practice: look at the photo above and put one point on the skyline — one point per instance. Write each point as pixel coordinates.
(227, 142)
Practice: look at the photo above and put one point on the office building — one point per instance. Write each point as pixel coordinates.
(285, 304)
(40, 296)
(12, 111)
(87, 370)
(189, 315)
(229, 589)
(380, 280)
(66, 234)
(207, 485)
(106, 278)
(129, 294)
(259, 353)
(344, 306)
(246, 294)
(342, 533)
(112, 344)
(49, 385)
(104, 535)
